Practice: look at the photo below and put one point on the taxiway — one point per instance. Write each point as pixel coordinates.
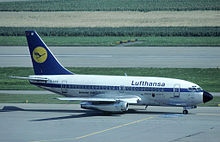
(161, 57)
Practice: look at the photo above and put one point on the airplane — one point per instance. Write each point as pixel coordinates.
(108, 93)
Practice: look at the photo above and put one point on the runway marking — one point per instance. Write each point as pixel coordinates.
(98, 132)
(209, 114)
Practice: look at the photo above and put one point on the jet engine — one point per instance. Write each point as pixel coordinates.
(106, 106)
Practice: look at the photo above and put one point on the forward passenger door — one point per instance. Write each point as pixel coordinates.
(176, 90)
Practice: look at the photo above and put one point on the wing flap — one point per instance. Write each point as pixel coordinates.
(87, 99)
(133, 100)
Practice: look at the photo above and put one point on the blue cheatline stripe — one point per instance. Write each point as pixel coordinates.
(115, 88)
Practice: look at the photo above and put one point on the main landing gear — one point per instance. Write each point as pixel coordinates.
(185, 111)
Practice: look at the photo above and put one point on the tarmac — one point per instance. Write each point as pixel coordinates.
(159, 57)
(68, 123)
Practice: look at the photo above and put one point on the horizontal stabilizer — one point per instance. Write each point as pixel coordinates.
(29, 78)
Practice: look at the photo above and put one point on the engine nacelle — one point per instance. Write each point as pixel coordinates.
(105, 106)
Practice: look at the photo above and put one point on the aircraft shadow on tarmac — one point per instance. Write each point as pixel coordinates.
(82, 113)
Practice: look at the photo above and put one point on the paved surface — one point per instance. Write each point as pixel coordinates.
(68, 123)
(48, 92)
(173, 57)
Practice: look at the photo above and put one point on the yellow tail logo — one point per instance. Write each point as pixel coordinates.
(40, 55)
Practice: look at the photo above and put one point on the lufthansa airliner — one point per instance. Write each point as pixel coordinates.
(108, 93)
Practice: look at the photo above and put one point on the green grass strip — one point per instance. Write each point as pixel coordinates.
(208, 79)
(113, 41)
(110, 5)
(113, 31)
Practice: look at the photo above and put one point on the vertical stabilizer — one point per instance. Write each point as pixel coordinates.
(44, 62)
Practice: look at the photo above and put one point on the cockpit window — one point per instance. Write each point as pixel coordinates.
(199, 89)
(194, 89)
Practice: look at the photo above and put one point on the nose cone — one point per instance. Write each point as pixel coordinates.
(207, 96)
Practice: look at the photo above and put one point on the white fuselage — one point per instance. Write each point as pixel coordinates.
(152, 90)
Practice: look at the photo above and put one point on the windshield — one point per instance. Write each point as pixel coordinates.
(194, 89)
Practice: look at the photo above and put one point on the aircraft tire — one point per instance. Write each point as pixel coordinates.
(185, 111)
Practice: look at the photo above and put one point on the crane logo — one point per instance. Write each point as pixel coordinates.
(40, 54)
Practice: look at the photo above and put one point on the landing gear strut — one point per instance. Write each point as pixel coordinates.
(185, 111)
(146, 107)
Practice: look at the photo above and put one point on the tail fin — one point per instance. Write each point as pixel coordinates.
(44, 62)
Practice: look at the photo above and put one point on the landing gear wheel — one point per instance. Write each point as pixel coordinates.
(185, 111)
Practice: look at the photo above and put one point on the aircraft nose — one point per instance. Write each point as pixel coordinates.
(207, 96)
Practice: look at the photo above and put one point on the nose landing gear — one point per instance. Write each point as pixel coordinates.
(185, 111)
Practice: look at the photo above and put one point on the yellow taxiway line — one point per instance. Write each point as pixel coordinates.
(115, 127)
(97, 132)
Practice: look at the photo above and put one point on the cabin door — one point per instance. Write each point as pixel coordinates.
(64, 86)
(176, 90)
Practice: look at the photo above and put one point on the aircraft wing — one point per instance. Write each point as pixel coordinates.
(130, 100)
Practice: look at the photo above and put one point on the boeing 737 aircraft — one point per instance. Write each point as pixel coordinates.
(108, 93)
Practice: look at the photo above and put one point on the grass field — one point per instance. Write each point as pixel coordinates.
(110, 31)
(208, 79)
(205, 18)
(110, 5)
(50, 99)
(112, 41)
